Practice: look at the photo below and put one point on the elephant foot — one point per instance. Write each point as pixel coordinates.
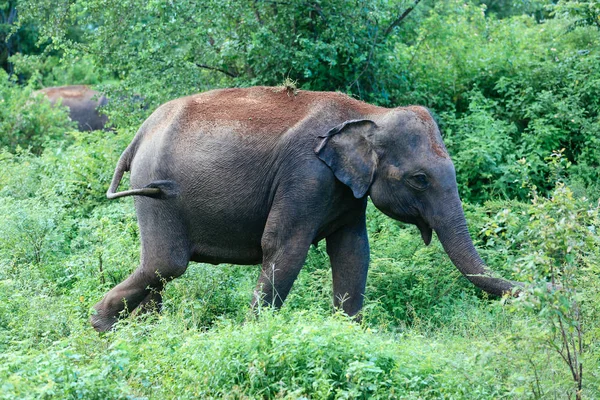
(106, 313)
(101, 322)
(106, 316)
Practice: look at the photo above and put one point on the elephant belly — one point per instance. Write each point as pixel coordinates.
(226, 240)
(165, 226)
(225, 223)
(220, 255)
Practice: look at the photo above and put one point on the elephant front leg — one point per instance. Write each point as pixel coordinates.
(348, 250)
(283, 258)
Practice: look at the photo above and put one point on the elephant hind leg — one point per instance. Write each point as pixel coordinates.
(142, 287)
(151, 303)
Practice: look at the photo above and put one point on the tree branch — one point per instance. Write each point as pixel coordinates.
(231, 74)
(367, 63)
(398, 20)
(257, 14)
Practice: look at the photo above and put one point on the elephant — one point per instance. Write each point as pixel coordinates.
(256, 175)
(83, 103)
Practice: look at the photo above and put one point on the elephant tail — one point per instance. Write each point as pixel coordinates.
(157, 189)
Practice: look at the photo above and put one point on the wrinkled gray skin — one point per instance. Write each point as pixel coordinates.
(83, 103)
(257, 175)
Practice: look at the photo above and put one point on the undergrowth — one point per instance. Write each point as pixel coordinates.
(426, 332)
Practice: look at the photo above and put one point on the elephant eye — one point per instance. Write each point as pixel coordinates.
(418, 181)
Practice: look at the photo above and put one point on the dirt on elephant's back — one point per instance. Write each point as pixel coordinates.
(74, 91)
(270, 110)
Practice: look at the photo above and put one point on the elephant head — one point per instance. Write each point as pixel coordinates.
(399, 160)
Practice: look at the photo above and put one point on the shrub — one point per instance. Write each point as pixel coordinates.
(29, 121)
(482, 149)
(555, 240)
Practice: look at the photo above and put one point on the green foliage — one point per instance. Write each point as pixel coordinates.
(185, 47)
(532, 68)
(583, 13)
(555, 239)
(482, 148)
(508, 8)
(12, 39)
(562, 231)
(29, 231)
(538, 83)
(53, 70)
(519, 101)
(27, 120)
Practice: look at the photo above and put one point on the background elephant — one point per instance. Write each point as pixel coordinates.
(255, 175)
(83, 103)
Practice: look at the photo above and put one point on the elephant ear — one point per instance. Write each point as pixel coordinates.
(347, 150)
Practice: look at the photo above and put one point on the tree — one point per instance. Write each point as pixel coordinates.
(188, 46)
(13, 40)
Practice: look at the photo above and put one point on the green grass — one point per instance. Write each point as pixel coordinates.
(517, 90)
(426, 333)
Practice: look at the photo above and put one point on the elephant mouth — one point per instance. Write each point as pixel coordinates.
(426, 231)
(424, 228)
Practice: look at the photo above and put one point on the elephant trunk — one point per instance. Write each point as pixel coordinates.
(455, 238)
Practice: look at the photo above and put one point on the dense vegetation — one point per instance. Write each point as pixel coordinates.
(517, 92)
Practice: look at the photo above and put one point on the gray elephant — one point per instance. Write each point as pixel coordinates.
(257, 175)
(83, 103)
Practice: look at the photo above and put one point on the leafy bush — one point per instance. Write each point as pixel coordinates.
(46, 70)
(28, 233)
(538, 84)
(482, 149)
(537, 79)
(555, 239)
(233, 43)
(29, 121)
(513, 91)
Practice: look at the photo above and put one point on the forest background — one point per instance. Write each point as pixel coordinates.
(516, 88)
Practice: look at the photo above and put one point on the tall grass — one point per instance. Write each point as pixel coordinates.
(427, 333)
